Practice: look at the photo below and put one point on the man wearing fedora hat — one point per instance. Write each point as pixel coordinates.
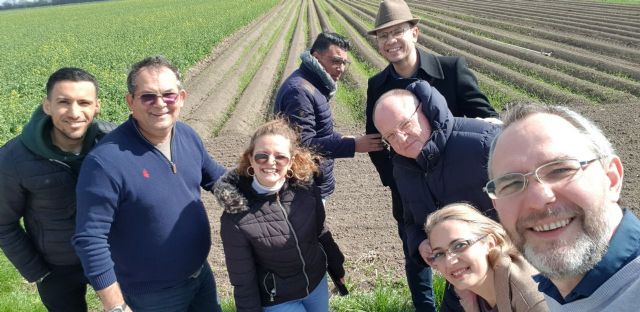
(396, 34)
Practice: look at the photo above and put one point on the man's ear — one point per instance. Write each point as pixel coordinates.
(129, 98)
(415, 31)
(98, 105)
(615, 173)
(46, 106)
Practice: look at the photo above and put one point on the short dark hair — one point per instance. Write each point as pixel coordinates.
(325, 39)
(70, 74)
(156, 61)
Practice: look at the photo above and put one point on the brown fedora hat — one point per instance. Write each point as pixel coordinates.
(392, 12)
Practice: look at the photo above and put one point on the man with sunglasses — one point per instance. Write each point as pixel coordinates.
(396, 33)
(556, 185)
(143, 234)
(304, 99)
(38, 173)
(439, 159)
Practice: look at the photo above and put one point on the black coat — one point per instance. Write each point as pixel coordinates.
(43, 192)
(450, 76)
(277, 247)
(452, 166)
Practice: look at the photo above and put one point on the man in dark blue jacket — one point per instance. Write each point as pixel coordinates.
(440, 159)
(396, 31)
(304, 98)
(38, 174)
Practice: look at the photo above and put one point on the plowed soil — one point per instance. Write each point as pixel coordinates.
(359, 212)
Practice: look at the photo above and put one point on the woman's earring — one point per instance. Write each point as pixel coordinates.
(250, 171)
(289, 173)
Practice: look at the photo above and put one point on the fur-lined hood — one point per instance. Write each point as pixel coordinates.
(234, 192)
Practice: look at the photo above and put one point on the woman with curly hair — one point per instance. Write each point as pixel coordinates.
(276, 244)
(475, 255)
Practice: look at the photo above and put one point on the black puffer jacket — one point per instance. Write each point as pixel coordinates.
(38, 182)
(276, 246)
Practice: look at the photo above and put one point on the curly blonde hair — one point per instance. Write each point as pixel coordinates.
(304, 163)
(479, 224)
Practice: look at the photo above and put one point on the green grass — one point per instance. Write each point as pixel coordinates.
(388, 295)
(105, 38)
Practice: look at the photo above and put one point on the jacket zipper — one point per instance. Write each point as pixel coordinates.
(295, 237)
(172, 164)
(273, 291)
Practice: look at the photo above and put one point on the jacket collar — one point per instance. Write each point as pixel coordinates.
(234, 192)
(434, 107)
(317, 75)
(428, 63)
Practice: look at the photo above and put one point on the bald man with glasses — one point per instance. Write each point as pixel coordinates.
(555, 184)
(439, 159)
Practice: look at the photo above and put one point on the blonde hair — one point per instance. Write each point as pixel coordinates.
(478, 223)
(304, 164)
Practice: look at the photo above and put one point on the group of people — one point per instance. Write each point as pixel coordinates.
(518, 214)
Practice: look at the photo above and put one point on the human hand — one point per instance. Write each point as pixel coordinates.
(425, 250)
(468, 300)
(368, 143)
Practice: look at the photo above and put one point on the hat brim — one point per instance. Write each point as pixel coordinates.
(392, 23)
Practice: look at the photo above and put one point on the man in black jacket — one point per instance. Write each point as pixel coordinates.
(396, 33)
(38, 173)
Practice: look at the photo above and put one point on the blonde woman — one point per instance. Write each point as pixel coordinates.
(277, 247)
(475, 255)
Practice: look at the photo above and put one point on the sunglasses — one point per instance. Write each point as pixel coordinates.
(263, 158)
(168, 98)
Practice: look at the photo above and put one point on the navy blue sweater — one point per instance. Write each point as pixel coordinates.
(136, 212)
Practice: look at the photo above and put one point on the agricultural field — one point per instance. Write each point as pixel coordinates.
(584, 54)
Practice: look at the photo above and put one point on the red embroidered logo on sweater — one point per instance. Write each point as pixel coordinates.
(145, 173)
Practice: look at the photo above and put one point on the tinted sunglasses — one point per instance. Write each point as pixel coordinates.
(168, 98)
(263, 158)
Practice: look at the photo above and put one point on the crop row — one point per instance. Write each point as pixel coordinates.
(571, 75)
(105, 38)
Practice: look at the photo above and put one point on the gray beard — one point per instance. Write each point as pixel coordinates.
(570, 259)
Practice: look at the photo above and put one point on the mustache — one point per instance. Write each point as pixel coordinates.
(555, 211)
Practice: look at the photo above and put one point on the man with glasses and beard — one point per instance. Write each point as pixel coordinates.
(396, 33)
(439, 159)
(304, 99)
(142, 233)
(556, 184)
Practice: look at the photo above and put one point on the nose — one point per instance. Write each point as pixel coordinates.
(538, 194)
(74, 110)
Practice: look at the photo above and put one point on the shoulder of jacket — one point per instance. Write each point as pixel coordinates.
(228, 194)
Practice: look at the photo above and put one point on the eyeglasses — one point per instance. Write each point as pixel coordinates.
(263, 158)
(456, 247)
(403, 127)
(338, 61)
(549, 173)
(168, 98)
(394, 34)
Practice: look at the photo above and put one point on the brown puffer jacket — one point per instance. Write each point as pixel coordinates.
(277, 247)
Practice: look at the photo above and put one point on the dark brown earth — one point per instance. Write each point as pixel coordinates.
(359, 212)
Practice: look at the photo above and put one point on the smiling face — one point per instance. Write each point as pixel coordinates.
(273, 168)
(71, 106)
(406, 129)
(469, 269)
(156, 119)
(562, 228)
(399, 45)
(334, 60)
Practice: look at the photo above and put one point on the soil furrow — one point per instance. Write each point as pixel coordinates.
(297, 43)
(224, 79)
(252, 105)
